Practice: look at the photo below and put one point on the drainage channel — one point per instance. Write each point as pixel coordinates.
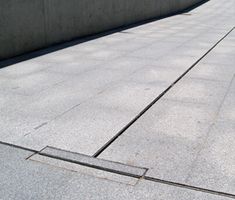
(88, 161)
(108, 166)
(119, 168)
(106, 145)
(112, 167)
(190, 187)
(19, 147)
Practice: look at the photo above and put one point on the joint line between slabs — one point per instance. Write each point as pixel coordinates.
(144, 177)
(190, 187)
(105, 146)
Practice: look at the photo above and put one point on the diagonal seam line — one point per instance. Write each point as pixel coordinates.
(107, 144)
(133, 175)
(190, 187)
(94, 166)
(129, 174)
(92, 162)
(202, 146)
(18, 147)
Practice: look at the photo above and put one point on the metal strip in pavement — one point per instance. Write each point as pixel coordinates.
(88, 161)
(190, 187)
(108, 143)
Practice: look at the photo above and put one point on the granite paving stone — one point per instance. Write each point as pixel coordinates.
(92, 172)
(95, 88)
(216, 72)
(79, 97)
(91, 161)
(26, 179)
(110, 111)
(165, 139)
(214, 165)
(187, 136)
(197, 90)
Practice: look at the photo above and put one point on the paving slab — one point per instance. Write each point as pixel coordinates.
(212, 72)
(80, 97)
(25, 179)
(227, 111)
(214, 165)
(199, 91)
(92, 172)
(216, 58)
(110, 111)
(92, 162)
(188, 135)
(32, 112)
(32, 84)
(165, 139)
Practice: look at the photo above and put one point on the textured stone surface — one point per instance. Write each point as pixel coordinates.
(200, 91)
(165, 139)
(91, 161)
(85, 170)
(78, 98)
(214, 165)
(25, 179)
(188, 135)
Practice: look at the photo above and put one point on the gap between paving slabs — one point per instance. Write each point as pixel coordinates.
(109, 166)
(88, 161)
(130, 171)
(107, 144)
(118, 168)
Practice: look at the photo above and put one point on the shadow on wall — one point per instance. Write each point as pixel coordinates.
(9, 52)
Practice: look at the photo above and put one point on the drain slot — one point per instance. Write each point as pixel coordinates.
(91, 162)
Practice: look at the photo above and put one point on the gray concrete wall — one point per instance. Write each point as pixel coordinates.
(27, 25)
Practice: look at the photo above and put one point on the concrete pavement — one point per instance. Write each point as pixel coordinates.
(144, 113)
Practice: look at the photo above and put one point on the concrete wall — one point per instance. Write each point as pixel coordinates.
(27, 25)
